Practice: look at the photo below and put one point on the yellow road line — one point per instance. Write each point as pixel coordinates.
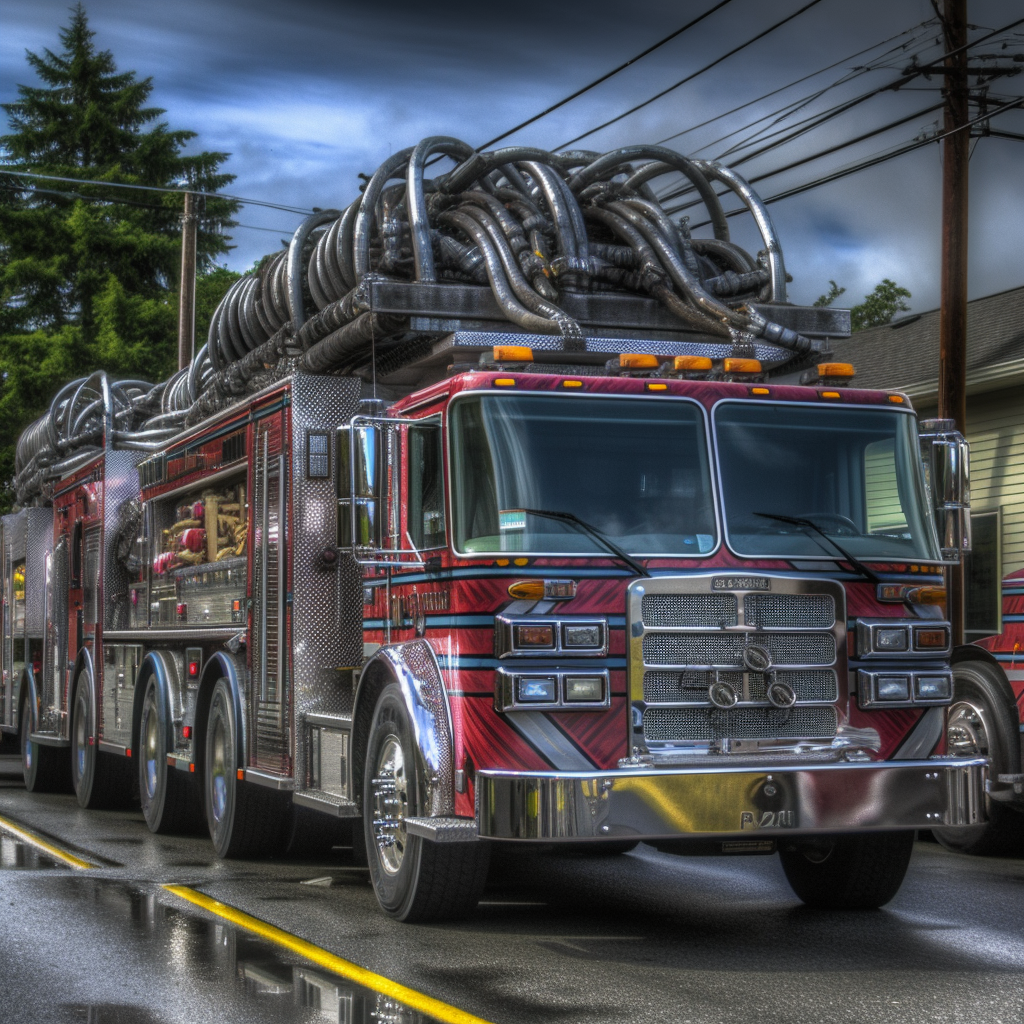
(41, 844)
(338, 965)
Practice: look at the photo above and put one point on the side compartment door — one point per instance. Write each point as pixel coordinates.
(270, 695)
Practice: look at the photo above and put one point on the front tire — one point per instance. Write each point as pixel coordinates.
(414, 879)
(856, 872)
(169, 801)
(979, 724)
(244, 820)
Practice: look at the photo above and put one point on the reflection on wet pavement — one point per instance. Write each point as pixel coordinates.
(251, 978)
(16, 855)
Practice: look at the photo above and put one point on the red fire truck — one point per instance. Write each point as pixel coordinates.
(461, 541)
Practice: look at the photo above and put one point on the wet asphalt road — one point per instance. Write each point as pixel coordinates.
(646, 937)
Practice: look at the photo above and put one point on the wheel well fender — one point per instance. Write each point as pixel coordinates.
(158, 665)
(27, 694)
(226, 666)
(996, 674)
(413, 666)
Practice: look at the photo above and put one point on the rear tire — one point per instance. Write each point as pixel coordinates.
(169, 799)
(99, 780)
(414, 879)
(857, 872)
(44, 769)
(979, 724)
(244, 820)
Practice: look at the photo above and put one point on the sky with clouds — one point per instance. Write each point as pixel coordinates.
(306, 94)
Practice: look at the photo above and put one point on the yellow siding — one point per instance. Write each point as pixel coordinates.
(995, 429)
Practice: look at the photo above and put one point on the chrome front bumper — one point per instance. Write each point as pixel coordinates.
(646, 803)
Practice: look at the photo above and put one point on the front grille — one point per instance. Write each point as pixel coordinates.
(810, 686)
(708, 611)
(711, 724)
(691, 631)
(789, 611)
(726, 649)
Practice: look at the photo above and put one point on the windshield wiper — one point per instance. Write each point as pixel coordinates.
(859, 566)
(610, 545)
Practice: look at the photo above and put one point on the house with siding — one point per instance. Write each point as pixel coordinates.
(904, 356)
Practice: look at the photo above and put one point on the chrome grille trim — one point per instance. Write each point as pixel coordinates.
(689, 632)
(740, 723)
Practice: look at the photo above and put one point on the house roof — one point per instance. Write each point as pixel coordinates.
(904, 355)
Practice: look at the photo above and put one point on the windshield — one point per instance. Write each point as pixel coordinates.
(854, 473)
(636, 470)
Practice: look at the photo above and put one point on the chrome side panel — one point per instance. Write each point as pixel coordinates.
(326, 603)
(38, 543)
(121, 663)
(726, 802)
(414, 667)
(120, 484)
(52, 699)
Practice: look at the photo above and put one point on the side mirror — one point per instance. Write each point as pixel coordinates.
(946, 458)
(362, 487)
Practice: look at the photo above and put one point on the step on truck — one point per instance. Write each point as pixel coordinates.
(499, 509)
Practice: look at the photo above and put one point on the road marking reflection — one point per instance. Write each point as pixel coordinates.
(41, 844)
(338, 965)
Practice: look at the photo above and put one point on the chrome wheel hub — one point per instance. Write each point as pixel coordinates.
(390, 797)
(967, 731)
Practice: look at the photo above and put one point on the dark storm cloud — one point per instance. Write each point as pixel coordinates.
(305, 94)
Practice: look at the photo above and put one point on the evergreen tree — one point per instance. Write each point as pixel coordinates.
(89, 272)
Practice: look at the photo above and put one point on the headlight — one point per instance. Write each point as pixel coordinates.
(880, 690)
(532, 636)
(555, 690)
(882, 638)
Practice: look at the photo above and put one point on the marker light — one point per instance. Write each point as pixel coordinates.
(584, 688)
(512, 354)
(926, 595)
(836, 370)
(656, 385)
(638, 361)
(931, 639)
(742, 365)
(831, 394)
(543, 590)
(691, 363)
(572, 383)
(896, 399)
(193, 669)
(760, 391)
(504, 382)
(542, 635)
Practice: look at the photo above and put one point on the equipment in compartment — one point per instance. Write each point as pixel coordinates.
(199, 569)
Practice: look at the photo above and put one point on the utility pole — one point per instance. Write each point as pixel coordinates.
(187, 290)
(953, 303)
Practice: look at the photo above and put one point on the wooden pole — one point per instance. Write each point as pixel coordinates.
(187, 291)
(953, 303)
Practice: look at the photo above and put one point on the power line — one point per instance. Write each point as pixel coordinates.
(873, 161)
(156, 188)
(816, 156)
(691, 77)
(782, 88)
(604, 77)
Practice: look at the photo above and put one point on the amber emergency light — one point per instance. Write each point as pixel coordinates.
(512, 354)
(691, 364)
(638, 361)
(733, 365)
